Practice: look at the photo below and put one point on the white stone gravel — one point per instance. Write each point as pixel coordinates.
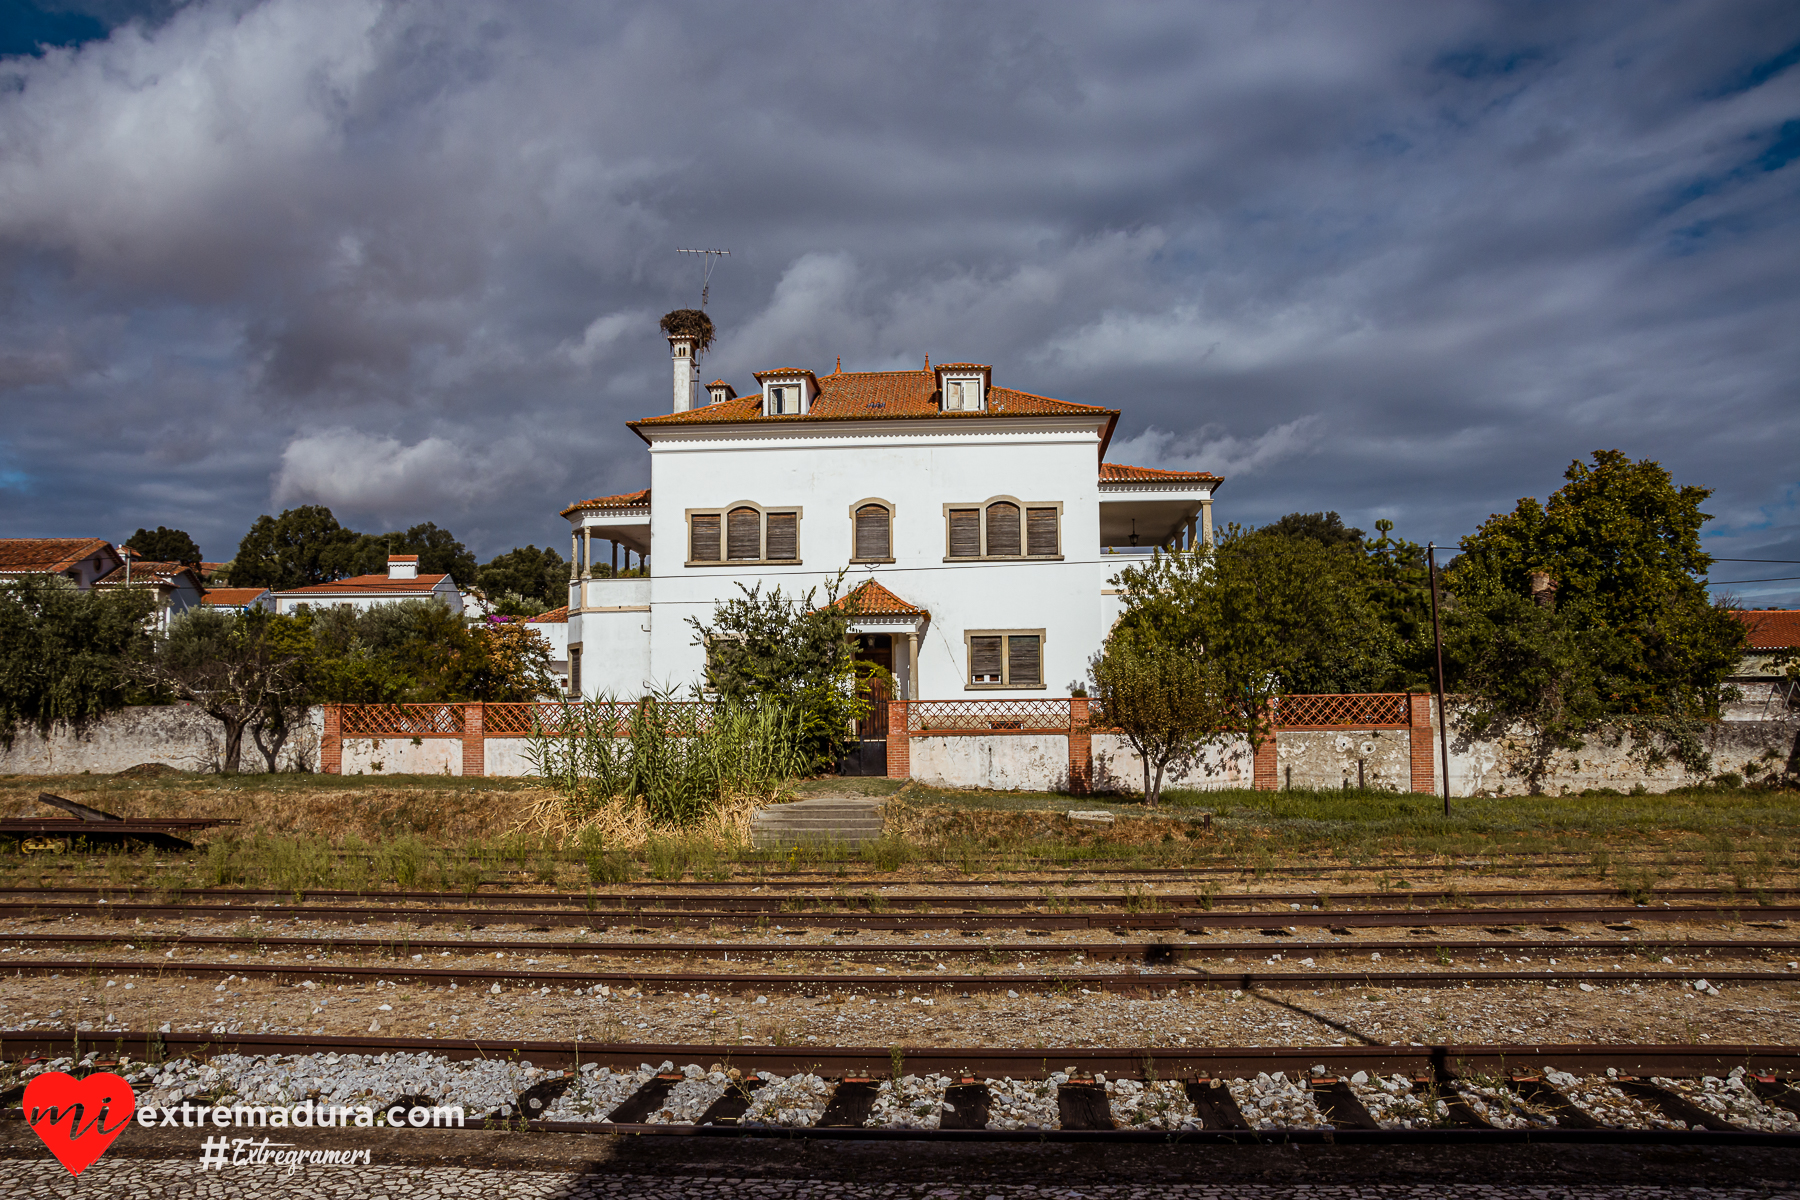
(1608, 1105)
(917, 1103)
(796, 1100)
(1391, 1101)
(1503, 1108)
(1732, 1099)
(1023, 1103)
(691, 1097)
(1162, 1104)
(1271, 1101)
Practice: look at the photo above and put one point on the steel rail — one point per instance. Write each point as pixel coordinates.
(1192, 921)
(1019, 1063)
(620, 900)
(288, 973)
(149, 937)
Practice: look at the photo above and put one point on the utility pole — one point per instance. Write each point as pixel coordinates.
(1437, 637)
(707, 257)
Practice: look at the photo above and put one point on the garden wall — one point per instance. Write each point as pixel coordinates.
(176, 735)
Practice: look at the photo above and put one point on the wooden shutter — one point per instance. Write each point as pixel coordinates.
(872, 532)
(703, 538)
(965, 533)
(743, 534)
(984, 659)
(1040, 531)
(1022, 667)
(784, 535)
(1002, 528)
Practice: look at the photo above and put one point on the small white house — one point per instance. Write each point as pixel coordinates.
(238, 599)
(402, 582)
(82, 561)
(177, 587)
(988, 518)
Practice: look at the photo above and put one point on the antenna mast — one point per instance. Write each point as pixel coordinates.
(706, 274)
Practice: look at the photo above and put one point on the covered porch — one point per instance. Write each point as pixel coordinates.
(1144, 508)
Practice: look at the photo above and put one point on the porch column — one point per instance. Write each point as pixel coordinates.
(615, 562)
(587, 552)
(912, 665)
(574, 554)
(1192, 545)
(1206, 532)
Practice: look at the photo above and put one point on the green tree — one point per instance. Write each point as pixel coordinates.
(419, 650)
(231, 669)
(538, 578)
(793, 651)
(438, 550)
(1325, 528)
(164, 545)
(63, 653)
(302, 546)
(1167, 703)
(1618, 624)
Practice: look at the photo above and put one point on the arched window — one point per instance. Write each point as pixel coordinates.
(873, 532)
(1003, 533)
(743, 534)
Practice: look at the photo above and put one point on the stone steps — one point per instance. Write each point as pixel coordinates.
(829, 818)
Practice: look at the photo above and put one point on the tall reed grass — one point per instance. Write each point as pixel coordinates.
(630, 769)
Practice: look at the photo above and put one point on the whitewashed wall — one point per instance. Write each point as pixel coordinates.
(176, 735)
(401, 756)
(1119, 768)
(1032, 762)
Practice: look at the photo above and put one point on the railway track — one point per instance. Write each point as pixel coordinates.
(814, 982)
(1341, 1093)
(1127, 950)
(672, 897)
(1195, 920)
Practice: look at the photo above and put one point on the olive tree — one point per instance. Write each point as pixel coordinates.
(1167, 704)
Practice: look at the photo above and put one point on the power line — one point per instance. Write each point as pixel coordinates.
(1734, 582)
(1795, 562)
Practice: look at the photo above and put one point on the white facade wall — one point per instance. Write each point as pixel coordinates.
(918, 466)
(402, 756)
(1031, 762)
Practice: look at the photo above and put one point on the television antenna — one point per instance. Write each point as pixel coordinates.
(706, 275)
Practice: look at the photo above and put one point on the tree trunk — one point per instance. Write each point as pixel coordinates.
(1149, 793)
(277, 725)
(1156, 796)
(234, 740)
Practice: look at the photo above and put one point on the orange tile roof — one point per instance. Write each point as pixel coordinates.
(638, 499)
(1772, 629)
(1120, 473)
(369, 583)
(873, 599)
(144, 571)
(48, 555)
(403, 558)
(556, 616)
(878, 395)
(232, 597)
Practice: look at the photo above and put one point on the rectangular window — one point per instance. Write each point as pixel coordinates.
(872, 532)
(1040, 532)
(745, 534)
(1012, 658)
(703, 538)
(984, 659)
(1002, 529)
(575, 671)
(965, 533)
(784, 537)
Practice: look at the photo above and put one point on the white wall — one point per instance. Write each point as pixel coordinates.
(1117, 767)
(400, 756)
(615, 640)
(918, 466)
(177, 735)
(1034, 762)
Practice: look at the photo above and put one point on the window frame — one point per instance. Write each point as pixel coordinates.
(1024, 507)
(891, 512)
(763, 513)
(1006, 683)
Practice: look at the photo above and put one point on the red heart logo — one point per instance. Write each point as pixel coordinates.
(95, 1111)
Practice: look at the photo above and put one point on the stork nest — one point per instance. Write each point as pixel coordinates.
(690, 322)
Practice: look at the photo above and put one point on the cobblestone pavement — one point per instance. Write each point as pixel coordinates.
(181, 1180)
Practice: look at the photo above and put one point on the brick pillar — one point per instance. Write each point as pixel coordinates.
(474, 740)
(1263, 770)
(1081, 747)
(899, 742)
(331, 742)
(1424, 752)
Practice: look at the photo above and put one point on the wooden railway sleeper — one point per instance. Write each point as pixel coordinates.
(1541, 1094)
(1082, 1104)
(1341, 1106)
(1214, 1104)
(730, 1108)
(643, 1102)
(851, 1103)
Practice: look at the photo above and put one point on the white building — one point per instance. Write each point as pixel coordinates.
(402, 582)
(553, 627)
(984, 514)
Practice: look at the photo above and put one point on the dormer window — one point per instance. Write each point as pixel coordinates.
(962, 395)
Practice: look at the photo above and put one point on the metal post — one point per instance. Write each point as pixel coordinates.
(1437, 637)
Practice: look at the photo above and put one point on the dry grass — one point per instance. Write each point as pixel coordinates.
(624, 824)
(442, 810)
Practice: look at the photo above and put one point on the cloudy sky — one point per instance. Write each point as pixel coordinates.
(406, 259)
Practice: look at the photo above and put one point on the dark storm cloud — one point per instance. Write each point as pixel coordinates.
(407, 259)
